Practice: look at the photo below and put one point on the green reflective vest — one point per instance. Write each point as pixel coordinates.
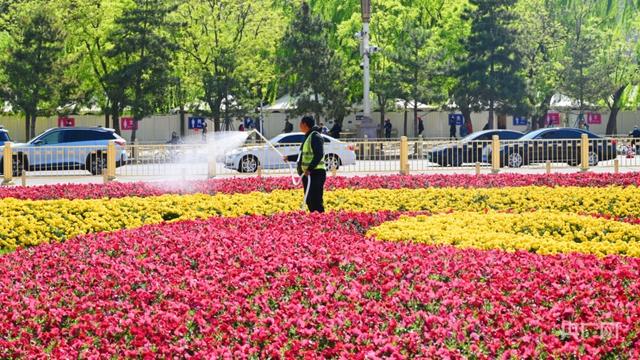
(307, 154)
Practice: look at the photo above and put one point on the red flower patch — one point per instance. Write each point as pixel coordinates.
(297, 285)
(268, 184)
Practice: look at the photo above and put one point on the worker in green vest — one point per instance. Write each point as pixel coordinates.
(311, 163)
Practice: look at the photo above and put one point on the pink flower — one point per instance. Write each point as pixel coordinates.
(265, 288)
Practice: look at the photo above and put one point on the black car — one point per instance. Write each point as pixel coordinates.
(471, 149)
(557, 145)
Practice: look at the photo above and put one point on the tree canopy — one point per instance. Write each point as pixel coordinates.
(226, 58)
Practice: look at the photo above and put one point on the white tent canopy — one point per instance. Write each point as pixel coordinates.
(7, 108)
(562, 102)
(283, 104)
(399, 104)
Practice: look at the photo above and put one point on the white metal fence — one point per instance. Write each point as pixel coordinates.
(406, 156)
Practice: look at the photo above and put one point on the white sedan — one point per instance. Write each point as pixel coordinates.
(248, 159)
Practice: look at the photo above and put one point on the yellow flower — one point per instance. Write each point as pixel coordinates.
(33, 222)
(543, 232)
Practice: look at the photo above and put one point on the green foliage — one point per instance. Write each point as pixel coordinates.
(229, 50)
(540, 41)
(313, 70)
(491, 71)
(155, 55)
(33, 64)
(143, 51)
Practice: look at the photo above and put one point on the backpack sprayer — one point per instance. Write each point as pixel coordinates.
(296, 180)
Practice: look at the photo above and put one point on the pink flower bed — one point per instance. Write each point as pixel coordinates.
(267, 184)
(309, 286)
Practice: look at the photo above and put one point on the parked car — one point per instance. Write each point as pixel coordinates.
(471, 149)
(248, 159)
(557, 145)
(4, 136)
(69, 149)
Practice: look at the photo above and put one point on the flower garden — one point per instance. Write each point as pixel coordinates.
(484, 267)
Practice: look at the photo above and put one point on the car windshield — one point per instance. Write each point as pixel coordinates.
(39, 137)
(471, 137)
(533, 134)
(4, 136)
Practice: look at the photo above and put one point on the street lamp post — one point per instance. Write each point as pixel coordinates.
(366, 17)
(367, 127)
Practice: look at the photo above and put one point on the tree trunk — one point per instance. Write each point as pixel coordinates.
(32, 129)
(27, 126)
(490, 121)
(215, 112)
(612, 124)
(115, 117)
(539, 121)
(183, 130)
(317, 98)
(106, 108)
(134, 132)
(405, 119)
(415, 118)
(381, 103)
(466, 113)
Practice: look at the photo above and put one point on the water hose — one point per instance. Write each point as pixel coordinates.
(295, 180)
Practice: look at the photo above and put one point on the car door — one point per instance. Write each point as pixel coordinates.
(42, 153)
(78, 145)
(569, 147)
(333, 147)
(288, 145)
(546, 148)
(477, 149)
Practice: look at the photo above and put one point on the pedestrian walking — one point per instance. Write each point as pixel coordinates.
(288, 126)
(387, 129)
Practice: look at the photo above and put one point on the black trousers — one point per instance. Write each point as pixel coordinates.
(315, 200)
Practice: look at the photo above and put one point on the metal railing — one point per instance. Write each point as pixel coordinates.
(147, 161)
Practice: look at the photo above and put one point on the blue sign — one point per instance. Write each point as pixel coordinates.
(520, 121)
(196, 123)
(456, 119)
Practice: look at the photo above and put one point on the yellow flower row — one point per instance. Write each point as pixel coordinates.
(543, 232)
(25, 223)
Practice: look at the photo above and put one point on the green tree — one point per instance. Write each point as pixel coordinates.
(33, 64)
(418, 62)
(230, 51)
(142, 49)
(492, 67)
(620, 61)
(94, 21)
(601, 53)
(312, 69)
(540, 40)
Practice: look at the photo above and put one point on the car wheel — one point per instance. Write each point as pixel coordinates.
(96, 164)
(17, 167)
(248, 164)
(161, 157)
(515, 160)
(593, 159)
(333, 162)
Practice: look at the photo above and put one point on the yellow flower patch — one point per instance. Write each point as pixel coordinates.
(27, 223)
(541, 232)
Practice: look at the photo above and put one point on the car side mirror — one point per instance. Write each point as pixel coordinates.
(38, 142)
